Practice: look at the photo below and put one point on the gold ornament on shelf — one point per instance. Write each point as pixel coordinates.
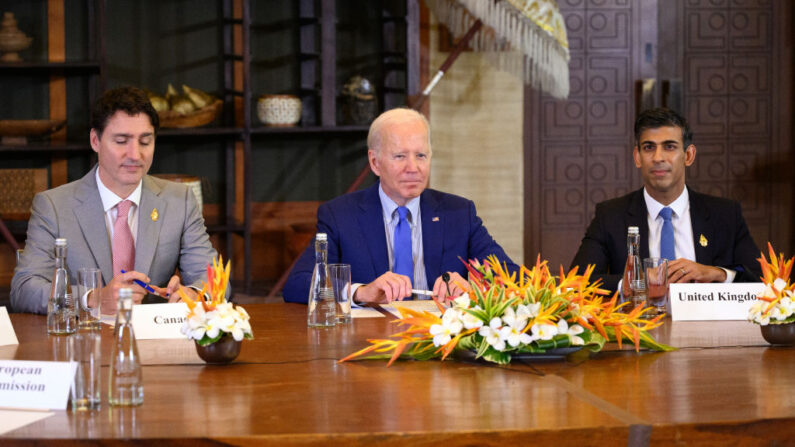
(12, 40)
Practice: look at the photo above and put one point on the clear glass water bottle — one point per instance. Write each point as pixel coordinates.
(634, 280)
(125, 386)
(61, 310)
(321, 306)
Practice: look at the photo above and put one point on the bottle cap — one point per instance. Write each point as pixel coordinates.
(321, 237)
(61, 241)
(633, 230)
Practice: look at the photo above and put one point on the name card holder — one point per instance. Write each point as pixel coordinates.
(159, 321)
(7, 334)
(712, 302)
(32, 385)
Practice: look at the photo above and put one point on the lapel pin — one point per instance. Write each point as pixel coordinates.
(156, 216)
(435, 219)
(703, 241)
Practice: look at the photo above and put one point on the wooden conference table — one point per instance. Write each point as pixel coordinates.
(725, 386)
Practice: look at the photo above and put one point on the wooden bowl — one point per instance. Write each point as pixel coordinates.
(205, 115)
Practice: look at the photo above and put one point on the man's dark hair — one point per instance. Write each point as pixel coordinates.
(129, 99)
(662, 117)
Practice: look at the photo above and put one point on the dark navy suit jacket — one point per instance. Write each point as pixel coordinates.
(728, 242)
(355, 227)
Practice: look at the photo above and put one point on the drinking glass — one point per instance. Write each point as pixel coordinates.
(89, 282)
(656, 270)
(340, 275)
(86, 353)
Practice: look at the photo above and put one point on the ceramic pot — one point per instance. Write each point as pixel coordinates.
(779, 334)
(223, 351)
(279, 110)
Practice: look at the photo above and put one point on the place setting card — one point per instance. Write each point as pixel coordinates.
(155, 321)
(712, 301)
(7, 334)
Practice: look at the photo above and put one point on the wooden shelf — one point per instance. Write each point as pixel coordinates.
(200, 132)
(44, 146)
(308, 129)
(44, 68)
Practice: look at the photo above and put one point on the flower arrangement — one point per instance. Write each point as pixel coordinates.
(500, 316)
(210, 316)
(776, 304)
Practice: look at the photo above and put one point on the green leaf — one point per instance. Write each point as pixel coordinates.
(494, 356)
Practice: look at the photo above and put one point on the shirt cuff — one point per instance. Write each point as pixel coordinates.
(354, 287)
(730, 274)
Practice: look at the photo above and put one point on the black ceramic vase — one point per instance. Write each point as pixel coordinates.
(223, 351)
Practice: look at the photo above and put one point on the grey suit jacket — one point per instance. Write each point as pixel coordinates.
(176, 238)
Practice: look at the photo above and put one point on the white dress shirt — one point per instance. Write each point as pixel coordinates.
(391, 218)
(684, 243)
(109, 202)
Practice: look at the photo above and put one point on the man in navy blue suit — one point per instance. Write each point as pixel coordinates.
(397, 235)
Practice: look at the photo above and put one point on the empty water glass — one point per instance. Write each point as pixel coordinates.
(89, 282)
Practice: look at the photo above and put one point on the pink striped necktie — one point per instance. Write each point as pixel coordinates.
(123, 243)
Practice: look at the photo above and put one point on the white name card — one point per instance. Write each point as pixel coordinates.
(35, 385)
(158, 321)
(712, 301)
(7, 334)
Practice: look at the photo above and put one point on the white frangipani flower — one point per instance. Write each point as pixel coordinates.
(492, 334)
(513, 334)
(573, 332)
(451, 325)
(470, 321)
(462, 302)
(544, 331)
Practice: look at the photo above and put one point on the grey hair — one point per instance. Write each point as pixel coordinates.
(375, 137)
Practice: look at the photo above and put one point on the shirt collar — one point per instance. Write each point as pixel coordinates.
(110, 199)
(679, 206)
(389, 206)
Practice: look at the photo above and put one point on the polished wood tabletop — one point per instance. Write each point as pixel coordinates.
(724, 386)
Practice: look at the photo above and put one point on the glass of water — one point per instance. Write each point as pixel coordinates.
(89, 283)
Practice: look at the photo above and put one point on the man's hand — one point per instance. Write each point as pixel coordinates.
(683, 270)
(109, 294)
(385, 289)
(457, 284)
(170, 291)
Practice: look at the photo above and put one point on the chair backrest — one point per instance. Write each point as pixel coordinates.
(17, 188)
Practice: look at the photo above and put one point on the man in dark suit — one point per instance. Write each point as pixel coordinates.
(704, 237)
(398, 235)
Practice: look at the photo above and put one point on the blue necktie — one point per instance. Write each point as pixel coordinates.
(401, 243)
(667, 237)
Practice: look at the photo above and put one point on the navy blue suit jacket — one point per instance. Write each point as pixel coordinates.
(355, 227)
(728, 243)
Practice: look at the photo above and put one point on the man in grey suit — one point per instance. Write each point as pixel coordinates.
(163, 230)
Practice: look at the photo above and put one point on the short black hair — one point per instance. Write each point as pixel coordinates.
(131, 100)
(662, 117)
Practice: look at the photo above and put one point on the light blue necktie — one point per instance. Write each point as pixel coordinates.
(404, 262)
(667, 237)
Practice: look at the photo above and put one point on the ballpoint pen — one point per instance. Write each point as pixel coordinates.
(146, 286)
(422, 292)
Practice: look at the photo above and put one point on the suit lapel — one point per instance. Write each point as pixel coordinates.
(148, 227)
(700, 221)
(431, 237)
(371, 225)
(91, 217)
(637, 216)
